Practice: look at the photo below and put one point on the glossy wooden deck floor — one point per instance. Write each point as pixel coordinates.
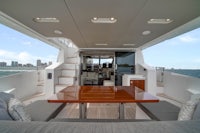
(96, 111)
(103, 111)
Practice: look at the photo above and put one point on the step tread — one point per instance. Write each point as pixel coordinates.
(40, 84)
(67, 76)
(68, 69)
(62, 85)
(68, 63)
(71, 57)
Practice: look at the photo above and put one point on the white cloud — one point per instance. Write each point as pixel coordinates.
(24, 57)
(2, 52)
(5, 55)
(188, 38)
(184, 39)
(196, 60)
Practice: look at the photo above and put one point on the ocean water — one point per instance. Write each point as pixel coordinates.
(6, 73)
(188, 72)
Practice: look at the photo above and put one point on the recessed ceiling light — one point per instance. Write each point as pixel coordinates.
(46, 20)
(101, 44)
(146, 32)
(95, 18)
(103, 20)
(160, 21)
(112, 19)
(129, 44)
(58, 32)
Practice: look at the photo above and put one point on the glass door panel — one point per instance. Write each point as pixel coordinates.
(125, 64)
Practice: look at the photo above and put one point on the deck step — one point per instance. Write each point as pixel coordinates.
(60, 87)
(69, 66)
(66, 80)
(66, 72)
(71, 60)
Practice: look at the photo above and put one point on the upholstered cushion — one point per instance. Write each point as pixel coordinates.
(187, 110)
(6, 96)
(3, 104)
(3, 111)
(91, 74)
(41, 110)
(4, 115)
(84, 74)
(17, 110)
(101, 127)
(161, 111)
(196, 115)
(98, 120)
(108, 83)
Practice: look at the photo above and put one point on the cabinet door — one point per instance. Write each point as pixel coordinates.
(138, 83)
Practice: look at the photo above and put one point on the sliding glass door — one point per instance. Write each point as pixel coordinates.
(95, 68)
(125, 64)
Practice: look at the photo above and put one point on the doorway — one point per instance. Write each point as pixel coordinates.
(124, 64)
(96, 67)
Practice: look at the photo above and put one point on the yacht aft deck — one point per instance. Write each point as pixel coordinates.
(100, 111)
(106, 25)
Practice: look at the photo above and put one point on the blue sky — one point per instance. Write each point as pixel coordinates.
(180, 52)
(15, 46)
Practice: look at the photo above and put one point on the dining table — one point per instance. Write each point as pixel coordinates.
(102, 94)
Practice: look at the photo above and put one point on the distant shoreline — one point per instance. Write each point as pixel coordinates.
(7, 71)
(20, 68)
(189, 72)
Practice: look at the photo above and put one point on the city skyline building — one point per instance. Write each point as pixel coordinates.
(14, 63)
(39, 63)
(3, 64)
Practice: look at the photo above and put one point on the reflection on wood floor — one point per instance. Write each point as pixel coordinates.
(99, 111)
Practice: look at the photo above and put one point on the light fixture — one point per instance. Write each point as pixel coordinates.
(112, 19)
(129, 44)
(58, 32)
(95, 18)
(146, 32)
(46, 20)
(101, 44)
(160, 21)
(103, 20)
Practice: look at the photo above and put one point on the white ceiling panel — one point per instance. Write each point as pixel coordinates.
(75, 19)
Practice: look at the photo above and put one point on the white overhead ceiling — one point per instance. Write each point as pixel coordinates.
(75, 19)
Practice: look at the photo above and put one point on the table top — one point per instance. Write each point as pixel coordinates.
(102, 94)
